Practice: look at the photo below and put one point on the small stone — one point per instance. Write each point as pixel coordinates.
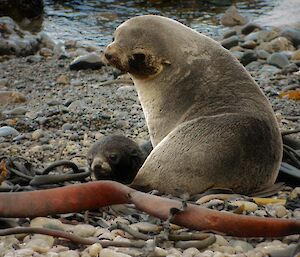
(84, 230)
(280, 211)
(248, 206)
(76, 106)
(295, 193)
(89, 61)
(248, 57)
(37, 134)
(8, 131)
(232, 17)
(63, 79)
(241, 246)
(94, 250)
(266, 35)
(292, 35)
(146, 227)
(16, 111)
(296, 55)
(278, 60)
(46, 52)
(262, 54)
(69, 253)
(230, 42)
(40, 243)
(220, 240)
(290, 69)
(46, 40)
(110, 253)
(67, 126)
(229, 33)
(276, 45)
(4, 83)
(190, 252)
(249, 44)
(42, 222)
(250, 27)
(269, 69)
(76, 82)
(8, 97)
(21, 253)
(251, 37)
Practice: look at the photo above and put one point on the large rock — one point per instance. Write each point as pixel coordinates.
(21, 8)
(232, 17)
(278, 59)
(296, 55)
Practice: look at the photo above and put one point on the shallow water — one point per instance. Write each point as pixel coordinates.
(93, 21)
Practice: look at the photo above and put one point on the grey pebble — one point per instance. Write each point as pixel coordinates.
(244, 246)
(229, 33)
(8, 131)
(262, 54)
(278, 59)
(230, 42)
(16, 111)
(67, 126)
(248, 57)
(89, 61)
(250, 27)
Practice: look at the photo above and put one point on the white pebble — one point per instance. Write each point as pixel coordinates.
(190, 252)
(70, 253)
(248, 206)
(110, 253)
(39, 243)
(20, 253)
(84, 230)
(42, 222)
(94, 250)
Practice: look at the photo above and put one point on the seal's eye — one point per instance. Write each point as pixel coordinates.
(113, 39)
(113, 157)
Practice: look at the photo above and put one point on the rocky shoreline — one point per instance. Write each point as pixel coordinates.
(57, 99)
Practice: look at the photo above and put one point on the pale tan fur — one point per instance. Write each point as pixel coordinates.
(209, 123)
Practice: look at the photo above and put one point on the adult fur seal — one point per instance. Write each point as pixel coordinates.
(116, 157)
(209, 123)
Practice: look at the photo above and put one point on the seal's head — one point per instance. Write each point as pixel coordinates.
(115, 157)
(134, 50)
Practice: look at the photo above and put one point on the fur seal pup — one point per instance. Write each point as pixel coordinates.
(209, 123)
(115, 157)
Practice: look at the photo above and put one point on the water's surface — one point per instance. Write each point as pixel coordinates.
(93, 21)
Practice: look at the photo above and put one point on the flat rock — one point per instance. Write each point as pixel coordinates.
(250, 44)
(89, 61)
(278, 60)
(230, 42)
(232, 17)
(229, 33)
